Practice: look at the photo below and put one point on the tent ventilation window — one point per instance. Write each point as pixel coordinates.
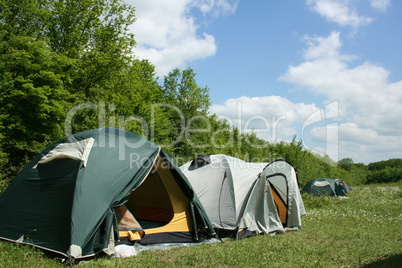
(200, 162)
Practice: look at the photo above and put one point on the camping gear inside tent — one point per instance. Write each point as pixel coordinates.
(235, 194)
(70, 198)
(324, 186)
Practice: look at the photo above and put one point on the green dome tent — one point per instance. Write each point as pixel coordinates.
(324, 186)
(65, 199)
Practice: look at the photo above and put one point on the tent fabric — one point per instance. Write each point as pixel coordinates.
(78, 150)
(324, 186)
(64, 206)
(321, 183)
(201, 161)
(239, 195)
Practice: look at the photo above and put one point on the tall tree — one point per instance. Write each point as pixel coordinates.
(187, 109)
(181, 90)
(53, 56)
(33, 98)
(346, 163)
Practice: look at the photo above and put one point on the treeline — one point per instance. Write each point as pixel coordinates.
(376, 172)
(385, 171)
(68, 66)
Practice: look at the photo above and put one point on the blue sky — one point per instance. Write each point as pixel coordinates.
(327, 71)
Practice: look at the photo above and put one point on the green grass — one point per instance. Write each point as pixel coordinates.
(364, 230)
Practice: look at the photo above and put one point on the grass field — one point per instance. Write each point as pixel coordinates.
(364, 230)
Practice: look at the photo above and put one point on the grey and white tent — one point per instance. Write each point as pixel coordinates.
(243, 198)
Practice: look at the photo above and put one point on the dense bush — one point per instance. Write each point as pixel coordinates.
(385, 175)
(385, 171)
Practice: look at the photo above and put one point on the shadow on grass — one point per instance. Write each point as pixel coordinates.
(393, 261)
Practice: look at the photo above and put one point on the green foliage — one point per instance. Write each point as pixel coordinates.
(385, 171)
(292, 152)
(346, 163)
(3, 184)
(385, 175)
(33, 98)
(356, 175)
(186, 109)
(63, 56)
(391, 163)
(181, 90)
(4, 169)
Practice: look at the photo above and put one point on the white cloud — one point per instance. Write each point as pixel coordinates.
(350, 133)
(175, 56)
(216, 7)
(381, 5)
(167, 34)
(368, 101)
(348, 140)
(325, 48)
(340, 12)
(271, 117)
(364, 90)
(367, 144)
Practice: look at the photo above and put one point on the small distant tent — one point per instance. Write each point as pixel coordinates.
(83, 193)
(243, 198)
(324, 186)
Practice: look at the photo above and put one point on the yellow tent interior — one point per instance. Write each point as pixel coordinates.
(161, 208)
